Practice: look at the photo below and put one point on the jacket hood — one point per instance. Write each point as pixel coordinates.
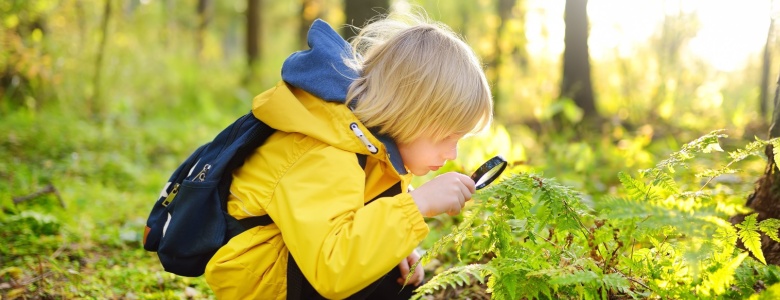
(320, 72)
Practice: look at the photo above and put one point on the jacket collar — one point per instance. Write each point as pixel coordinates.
(322, 72)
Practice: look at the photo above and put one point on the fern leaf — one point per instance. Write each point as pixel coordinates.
(776, 149)
(720, 280)
(748, 233)
(635, 188)
(715, 173)
(705, 143)
(666, 182)
(454, 277)
(770, 227)
(771, 293)
(753, 148)
(584, 277)
(615, 281)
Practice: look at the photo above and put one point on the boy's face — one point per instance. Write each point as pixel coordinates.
(424, 154)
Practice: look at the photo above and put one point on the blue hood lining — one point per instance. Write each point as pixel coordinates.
(322, 72)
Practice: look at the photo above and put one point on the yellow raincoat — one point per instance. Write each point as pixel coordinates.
(306, 177)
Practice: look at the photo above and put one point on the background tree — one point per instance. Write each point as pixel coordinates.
(504, 10)
(253, 32)
(204, 11)
(576, 83)
(94, 104)
(763, 97)
(765, 200)
(358, 12)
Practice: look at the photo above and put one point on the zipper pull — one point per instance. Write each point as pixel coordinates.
(202, 174)
(172, 195)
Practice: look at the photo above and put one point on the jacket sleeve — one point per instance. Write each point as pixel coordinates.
(340, 245)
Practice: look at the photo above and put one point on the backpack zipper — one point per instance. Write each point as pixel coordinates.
(202, 174)
(172, 195)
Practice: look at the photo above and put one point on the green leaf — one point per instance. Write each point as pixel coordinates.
(712, 147)
(666, 182)
(579, 277)
(616, 281)
(748, 233)
(770, 227)
(634, 188)
(776, 149)
(454, 277)
(720, 280)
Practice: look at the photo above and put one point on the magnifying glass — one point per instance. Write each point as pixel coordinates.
(489, 171)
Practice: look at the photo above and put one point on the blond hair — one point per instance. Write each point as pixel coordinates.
(417, 78)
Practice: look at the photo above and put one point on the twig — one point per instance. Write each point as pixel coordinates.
(48, 189)
(634, 280)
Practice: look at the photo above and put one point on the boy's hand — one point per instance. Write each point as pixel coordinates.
(408, 262)
(447, 193)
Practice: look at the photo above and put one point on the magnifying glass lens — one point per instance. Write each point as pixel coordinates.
(489, 171)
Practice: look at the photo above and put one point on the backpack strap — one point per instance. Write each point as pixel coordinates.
(253, 222)
(362, 160)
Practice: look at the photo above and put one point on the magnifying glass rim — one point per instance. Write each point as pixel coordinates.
(496, 161)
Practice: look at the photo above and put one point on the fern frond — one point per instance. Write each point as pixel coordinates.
(637, 189)
(775, 149)
(719, 281)
(702, 196)
(615, 281)
(584, 277)
(771, 293)
(748, 233)
(704, 144)
(464, 232)
(651, 216)
(753, 148)
(715, 173)
(454, 277)
(666, 182)
(770, 228)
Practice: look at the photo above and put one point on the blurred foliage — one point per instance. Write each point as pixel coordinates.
(106, 144)
(660, 235)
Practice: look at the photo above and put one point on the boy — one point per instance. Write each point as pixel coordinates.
(403, 95)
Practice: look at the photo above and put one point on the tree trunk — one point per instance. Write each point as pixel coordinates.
(765, 199)
(253, 32)
(504, 12)
(310, 11)
(94, 104)
(359, 12)
(576, 83)
(204, 17)
(764, 96)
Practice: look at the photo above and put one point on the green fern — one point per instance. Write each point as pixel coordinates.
(659, 237)
(770, 228)
(704, 144)
(454, 277)
(719, 281)
(751, 238)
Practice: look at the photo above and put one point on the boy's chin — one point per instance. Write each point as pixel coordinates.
(420, 172)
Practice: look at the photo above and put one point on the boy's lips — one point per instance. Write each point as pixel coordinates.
(435, 168)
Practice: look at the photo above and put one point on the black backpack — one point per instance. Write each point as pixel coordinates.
(189, 221)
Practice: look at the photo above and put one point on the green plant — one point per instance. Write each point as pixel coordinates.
(661, 236)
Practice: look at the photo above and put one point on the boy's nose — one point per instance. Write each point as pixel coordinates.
(451, 154)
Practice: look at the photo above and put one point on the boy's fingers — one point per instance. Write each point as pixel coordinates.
(470, 184)
(404, 268)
